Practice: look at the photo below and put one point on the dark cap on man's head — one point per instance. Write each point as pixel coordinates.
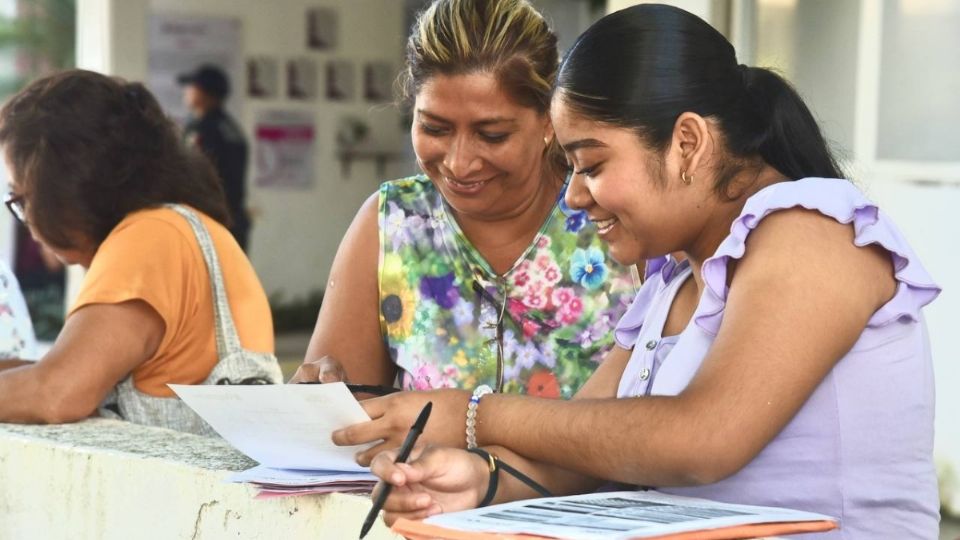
(208, 78)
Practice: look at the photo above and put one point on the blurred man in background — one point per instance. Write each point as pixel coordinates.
(215, 133)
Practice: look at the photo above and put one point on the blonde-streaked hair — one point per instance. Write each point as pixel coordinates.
(508, 38)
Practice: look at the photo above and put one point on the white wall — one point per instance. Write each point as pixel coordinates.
(701, 8)
(918, 101)
(825, 38)
(924, 212)
(296, 232)
(867, 93)
(567, 18)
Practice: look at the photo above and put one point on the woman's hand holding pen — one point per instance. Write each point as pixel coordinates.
(392, 415)
(438, 480)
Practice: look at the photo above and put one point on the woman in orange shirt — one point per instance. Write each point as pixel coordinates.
(95, 166)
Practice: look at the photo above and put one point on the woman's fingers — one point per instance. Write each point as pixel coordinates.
(391, 517)
(366, 457)
(307, 372)
(437, 478)
(383, 466)
(405, 499)
(381, 427)
(405, 476)
(398, 474)
(330, 371)
(378, 406)
(362, 433)
(324, 370)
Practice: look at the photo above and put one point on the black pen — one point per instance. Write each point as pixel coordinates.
(415, 430)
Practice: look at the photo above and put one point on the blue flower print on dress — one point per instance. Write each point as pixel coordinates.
(575, 219)
(576, 222)
(440, 289)
(463, 313)
(566, 210)
(587, 268)
(393, 223)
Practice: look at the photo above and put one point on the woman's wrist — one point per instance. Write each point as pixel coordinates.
(473, 407)
(481, 475)
(485, 431)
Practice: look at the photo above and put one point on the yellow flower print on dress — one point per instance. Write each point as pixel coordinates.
(397, 300)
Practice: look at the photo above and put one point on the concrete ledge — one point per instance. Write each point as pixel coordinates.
(106, 479)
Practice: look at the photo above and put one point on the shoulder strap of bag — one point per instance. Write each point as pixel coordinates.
(228, 342)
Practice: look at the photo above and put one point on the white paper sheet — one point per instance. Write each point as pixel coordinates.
(284, 426)
(614, 516)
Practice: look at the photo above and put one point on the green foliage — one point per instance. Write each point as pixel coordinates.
(296, 314)
(42, 35)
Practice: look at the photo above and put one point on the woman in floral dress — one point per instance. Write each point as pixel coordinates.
(475, 272)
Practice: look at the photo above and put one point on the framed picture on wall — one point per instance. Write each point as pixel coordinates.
(262, 80)
(301, 79)
(378, 80)
(321, 28)
(340, 84)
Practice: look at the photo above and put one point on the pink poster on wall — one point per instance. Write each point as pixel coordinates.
(284, 149)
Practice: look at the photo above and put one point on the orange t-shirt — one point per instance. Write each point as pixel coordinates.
(153, 256)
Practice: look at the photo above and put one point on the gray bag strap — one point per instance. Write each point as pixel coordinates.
(228, 342)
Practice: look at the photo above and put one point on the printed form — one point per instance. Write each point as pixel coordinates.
(617, 515)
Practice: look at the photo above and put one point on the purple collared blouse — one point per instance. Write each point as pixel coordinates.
(861, 447)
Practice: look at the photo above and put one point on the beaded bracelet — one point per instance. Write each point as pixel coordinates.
(481, 391)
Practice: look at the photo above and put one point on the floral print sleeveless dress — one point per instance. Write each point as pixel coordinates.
(450, 321)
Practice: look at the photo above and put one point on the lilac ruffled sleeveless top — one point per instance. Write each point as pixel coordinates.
(861, 448)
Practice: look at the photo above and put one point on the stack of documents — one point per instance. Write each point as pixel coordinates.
(286, 429)
(279, 482)
(624, 515)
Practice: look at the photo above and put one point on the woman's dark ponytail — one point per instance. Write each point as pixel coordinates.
(781, 129)
(643, 66)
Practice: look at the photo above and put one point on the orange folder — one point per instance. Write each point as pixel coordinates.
(418, 530)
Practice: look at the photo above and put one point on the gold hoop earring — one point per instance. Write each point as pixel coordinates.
(546, 141)
(686, 180)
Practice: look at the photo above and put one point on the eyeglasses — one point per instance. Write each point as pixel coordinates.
(15, 203)
(501, 308)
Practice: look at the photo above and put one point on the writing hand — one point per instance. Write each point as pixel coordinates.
(438, 480)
